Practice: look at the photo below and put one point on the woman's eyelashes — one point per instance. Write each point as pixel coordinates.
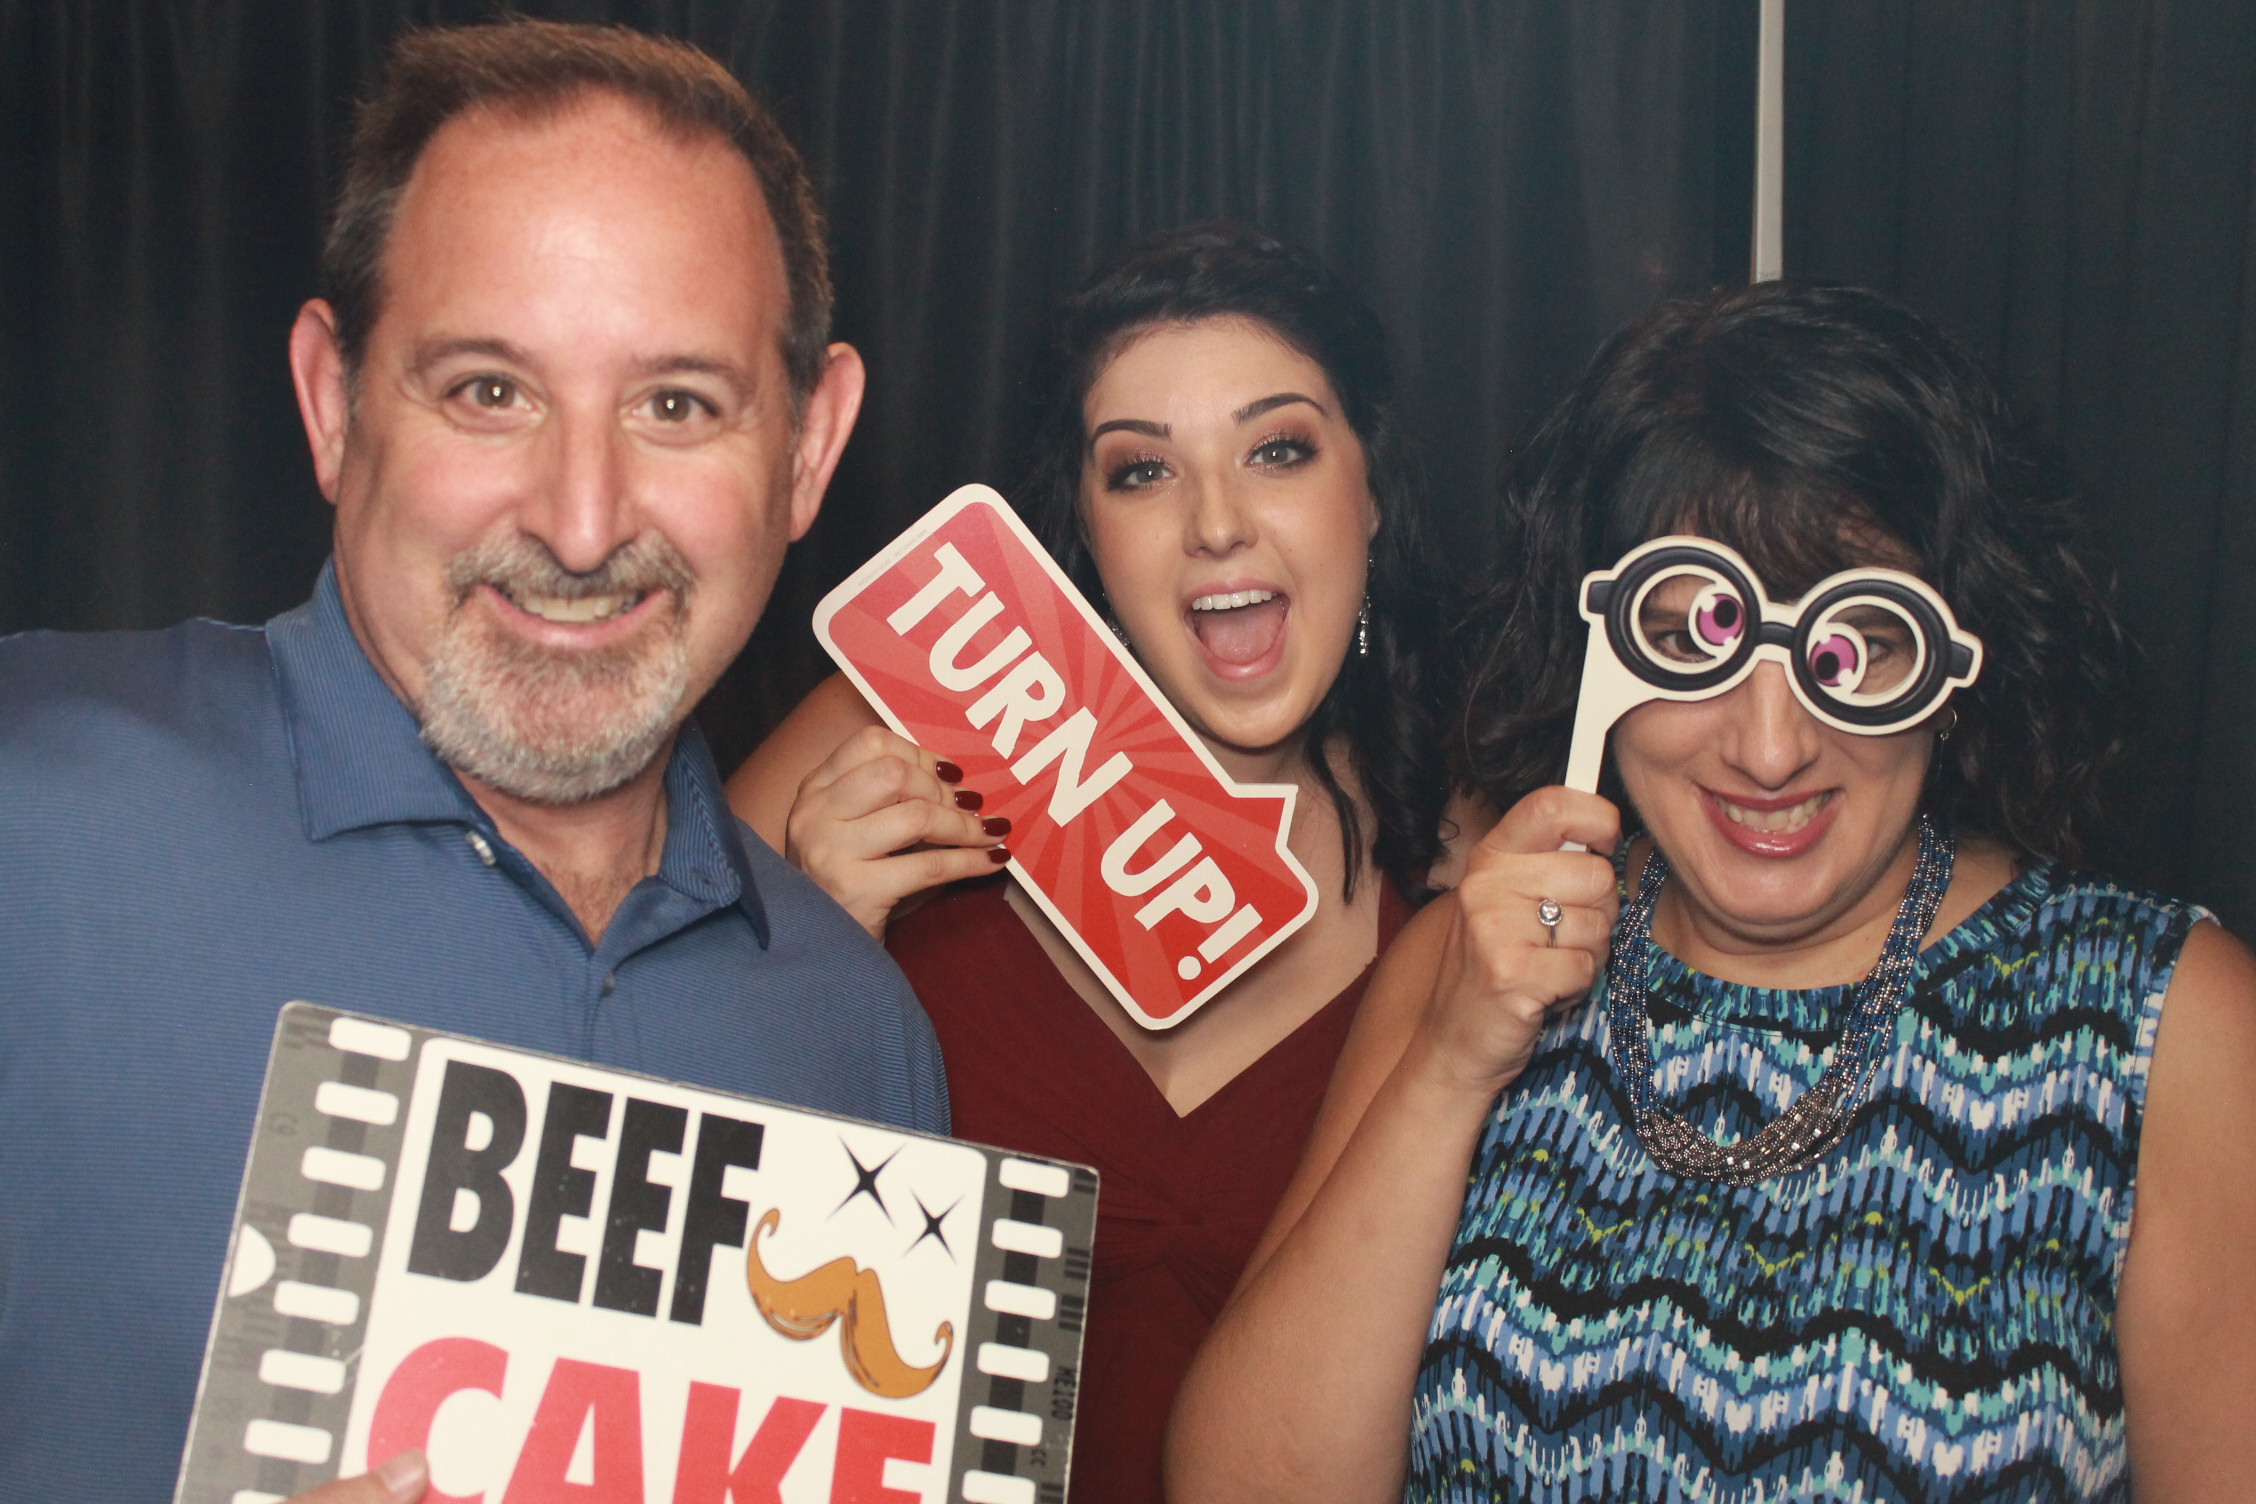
(1282, 451)
(1133, 472)
(1139, 469)
(1666, 627)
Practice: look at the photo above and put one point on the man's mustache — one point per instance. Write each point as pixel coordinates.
(520, 565)
(804, 1308)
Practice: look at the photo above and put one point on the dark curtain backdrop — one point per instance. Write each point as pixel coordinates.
(2067, 186)
(1507, 180)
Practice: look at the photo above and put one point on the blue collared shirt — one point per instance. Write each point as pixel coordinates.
(201, 824)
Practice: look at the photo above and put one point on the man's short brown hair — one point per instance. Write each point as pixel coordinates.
(534, 68)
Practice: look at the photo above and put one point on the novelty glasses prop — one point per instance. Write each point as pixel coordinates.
(1869, 651)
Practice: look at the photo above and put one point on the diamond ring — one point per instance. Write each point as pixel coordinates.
(1548, 913)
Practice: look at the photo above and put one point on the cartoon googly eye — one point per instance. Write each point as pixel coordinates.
(1863, 648)
(1837, 657)
(1718, 618)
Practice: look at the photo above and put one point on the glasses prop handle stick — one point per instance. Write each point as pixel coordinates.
(1608, 692)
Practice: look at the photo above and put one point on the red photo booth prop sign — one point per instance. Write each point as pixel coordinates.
(1166, 875)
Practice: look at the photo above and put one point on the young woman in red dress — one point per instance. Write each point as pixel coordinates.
(1219, 469)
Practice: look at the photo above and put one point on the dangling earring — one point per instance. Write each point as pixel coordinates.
(1948, 726)
(1363, 612)
(1111, 618)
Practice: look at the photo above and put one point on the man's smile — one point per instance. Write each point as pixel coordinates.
(582, 610)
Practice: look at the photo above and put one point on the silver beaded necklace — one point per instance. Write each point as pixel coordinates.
(1816, 1119)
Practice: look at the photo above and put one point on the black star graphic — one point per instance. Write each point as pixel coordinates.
(865, 1181)
(932, 1228)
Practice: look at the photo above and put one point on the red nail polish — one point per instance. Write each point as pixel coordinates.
(947, 772)
(998, 854)
(995, 825)
(968, 799)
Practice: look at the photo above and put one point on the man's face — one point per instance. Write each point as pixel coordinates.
(566, 479)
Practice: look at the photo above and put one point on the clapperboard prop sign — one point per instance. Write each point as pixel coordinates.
(566, 1282)
(1169, 877)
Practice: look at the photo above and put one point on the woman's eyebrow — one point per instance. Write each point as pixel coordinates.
(1148, 429)
(1255, 409)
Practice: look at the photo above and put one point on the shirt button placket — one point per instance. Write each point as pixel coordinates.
(601, 986)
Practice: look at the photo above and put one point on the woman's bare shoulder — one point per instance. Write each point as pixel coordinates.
(2187, 1329)
(762, 790)
(2205, 1052)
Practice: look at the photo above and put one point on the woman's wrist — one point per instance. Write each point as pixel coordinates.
(1450, 1078)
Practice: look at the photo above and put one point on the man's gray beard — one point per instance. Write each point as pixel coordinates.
(554, 727)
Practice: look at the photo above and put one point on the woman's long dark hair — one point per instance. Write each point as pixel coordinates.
(1386, 707)
(1809, 427)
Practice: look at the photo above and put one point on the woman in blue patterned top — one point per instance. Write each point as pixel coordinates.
(1926, 1281)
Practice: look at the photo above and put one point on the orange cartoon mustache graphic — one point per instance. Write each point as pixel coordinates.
(804, 1308)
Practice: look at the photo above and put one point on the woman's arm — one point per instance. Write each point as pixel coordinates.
(1302, 1391)
(2186, 1314)
(869, 815)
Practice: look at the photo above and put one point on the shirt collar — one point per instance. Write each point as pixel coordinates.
(704, 857)
(359, 752)
(361, 761)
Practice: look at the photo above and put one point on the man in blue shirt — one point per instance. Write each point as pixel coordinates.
(570, 392)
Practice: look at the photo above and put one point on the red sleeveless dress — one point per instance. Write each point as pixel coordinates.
(1182, 1199)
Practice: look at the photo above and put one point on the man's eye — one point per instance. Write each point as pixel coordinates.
(492, 391)
(678, 407)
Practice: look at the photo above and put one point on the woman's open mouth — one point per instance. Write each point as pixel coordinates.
(1242, 631)
(1775, 828)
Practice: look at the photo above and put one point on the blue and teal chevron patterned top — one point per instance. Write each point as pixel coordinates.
(1927, 1313)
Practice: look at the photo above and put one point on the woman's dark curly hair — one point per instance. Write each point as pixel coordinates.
(1386, 707)
(1810, 427)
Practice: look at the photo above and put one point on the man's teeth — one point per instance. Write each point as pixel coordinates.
(576, 611)
(1775, 821)
(1233, 600)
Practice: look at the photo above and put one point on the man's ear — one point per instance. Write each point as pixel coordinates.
(826, 418)
(317, 369)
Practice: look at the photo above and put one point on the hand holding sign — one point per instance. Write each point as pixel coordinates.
(880, 819)
(1165, 875)
(401, 1480)
(461, 1270)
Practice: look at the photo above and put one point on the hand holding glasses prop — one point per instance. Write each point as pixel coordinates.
(1870, 651)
